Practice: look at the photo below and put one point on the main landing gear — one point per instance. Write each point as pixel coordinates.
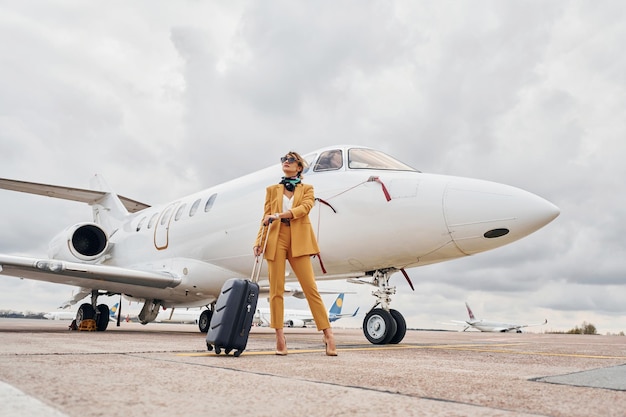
(92, 311)
(383, 325)
(205, 320)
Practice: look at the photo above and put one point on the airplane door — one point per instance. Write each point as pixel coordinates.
(162, 228)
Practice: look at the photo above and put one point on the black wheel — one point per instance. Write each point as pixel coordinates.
(205, 320)
(102, 318)
(237, 353)
(227, 351)
(218, 350)
(85, 312)
(400, 327)
(209, 347)
(379, 326)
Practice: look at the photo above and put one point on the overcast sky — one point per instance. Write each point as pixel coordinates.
(165, 98)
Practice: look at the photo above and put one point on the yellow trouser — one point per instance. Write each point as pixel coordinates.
(303, 269)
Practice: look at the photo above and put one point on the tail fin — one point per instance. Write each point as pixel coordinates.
(469, 311)
(335, 310)
(113, 311)
(108, 208)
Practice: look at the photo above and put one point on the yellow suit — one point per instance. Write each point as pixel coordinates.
(296, 243)
(303, 241)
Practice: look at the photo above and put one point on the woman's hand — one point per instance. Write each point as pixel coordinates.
(257, 250)
(270, 218)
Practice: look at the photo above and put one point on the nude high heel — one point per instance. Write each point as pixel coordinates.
(329, 352)
(284, 351)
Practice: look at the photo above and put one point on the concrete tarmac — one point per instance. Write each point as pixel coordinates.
(166, 370)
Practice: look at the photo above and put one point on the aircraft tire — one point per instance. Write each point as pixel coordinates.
(400, 327)
(379, 326)
(205, 320)
(85, 312)
(102, 317)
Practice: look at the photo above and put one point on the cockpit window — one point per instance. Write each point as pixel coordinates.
(309, 162)
(329, 161)
(371, 159)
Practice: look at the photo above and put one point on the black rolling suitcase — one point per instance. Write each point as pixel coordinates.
(232, 318)
(234, 310)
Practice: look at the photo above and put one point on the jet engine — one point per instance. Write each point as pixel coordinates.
(82, 242)
(294, 323)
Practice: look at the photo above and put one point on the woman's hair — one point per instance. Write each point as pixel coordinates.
(301, 162)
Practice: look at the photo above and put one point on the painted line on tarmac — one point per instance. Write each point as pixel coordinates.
(342, 349)
(499, 348)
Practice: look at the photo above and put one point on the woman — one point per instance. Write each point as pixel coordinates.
(291, 237)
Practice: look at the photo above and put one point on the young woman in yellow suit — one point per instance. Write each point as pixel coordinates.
(291, 238)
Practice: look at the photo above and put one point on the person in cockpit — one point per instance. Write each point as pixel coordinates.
(329, 160)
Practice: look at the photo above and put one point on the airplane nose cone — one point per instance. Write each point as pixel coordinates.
(482, 215)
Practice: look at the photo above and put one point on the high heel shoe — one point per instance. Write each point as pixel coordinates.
(284, 351)
(329, 352)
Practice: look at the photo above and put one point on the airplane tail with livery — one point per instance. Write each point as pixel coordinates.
(302, 318)
(492, 326)
(335, 310)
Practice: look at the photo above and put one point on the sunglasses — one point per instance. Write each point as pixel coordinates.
(290, 159)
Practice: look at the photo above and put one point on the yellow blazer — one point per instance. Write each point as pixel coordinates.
(303, 241)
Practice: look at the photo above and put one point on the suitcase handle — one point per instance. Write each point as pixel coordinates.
(256, 267)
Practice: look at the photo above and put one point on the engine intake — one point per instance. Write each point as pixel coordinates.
(84, 242)
(294, 323)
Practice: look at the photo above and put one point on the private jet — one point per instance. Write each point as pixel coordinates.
(374, 217)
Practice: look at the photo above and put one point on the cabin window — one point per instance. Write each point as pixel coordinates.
(194, 207)
(141, 222)
(166, 216)
(209, 203)
(179, 212)
(153, 220)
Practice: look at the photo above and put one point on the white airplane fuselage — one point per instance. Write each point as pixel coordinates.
(488, 326)
(429, 219)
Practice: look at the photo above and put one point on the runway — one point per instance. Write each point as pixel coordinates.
(166, 370)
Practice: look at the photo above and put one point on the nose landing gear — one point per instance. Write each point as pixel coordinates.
(383, 325)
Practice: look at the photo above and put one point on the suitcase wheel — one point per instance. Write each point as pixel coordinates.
(218, 350)
(209, 347)
(237, 353)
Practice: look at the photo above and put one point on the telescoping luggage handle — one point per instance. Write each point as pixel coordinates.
(258, 260)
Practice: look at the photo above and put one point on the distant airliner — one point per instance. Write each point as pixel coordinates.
(492, 326)
(374, 217)
(302, 318)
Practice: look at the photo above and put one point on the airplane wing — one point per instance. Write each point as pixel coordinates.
(338, 316)
(83, 275)
(517, 327)
(298, 293)
(459, 323)
(67, 193)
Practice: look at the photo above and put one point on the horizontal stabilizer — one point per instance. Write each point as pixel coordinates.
(67, 193)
